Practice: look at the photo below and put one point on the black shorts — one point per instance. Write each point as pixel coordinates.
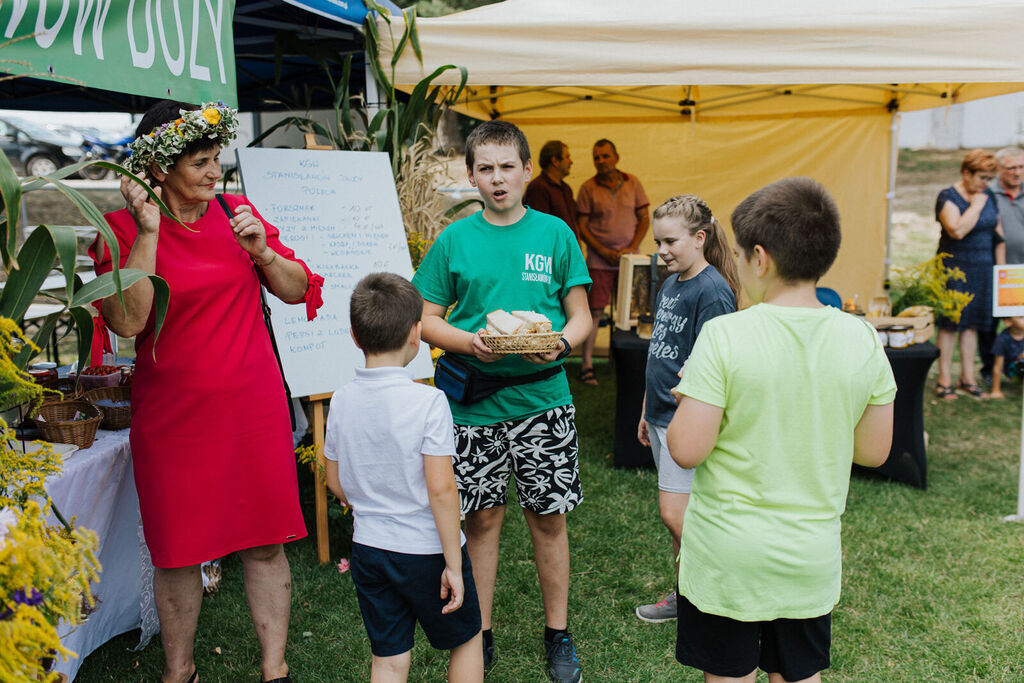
(795, 648)
(395, 590)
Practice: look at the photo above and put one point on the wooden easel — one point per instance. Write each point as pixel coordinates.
(323, 541)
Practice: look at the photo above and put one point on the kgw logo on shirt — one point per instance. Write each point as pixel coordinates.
(538, 268)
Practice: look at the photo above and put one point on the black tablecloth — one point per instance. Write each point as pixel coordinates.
(629, 354)
(907, 461)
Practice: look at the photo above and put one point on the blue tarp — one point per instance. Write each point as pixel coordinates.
(347, 11)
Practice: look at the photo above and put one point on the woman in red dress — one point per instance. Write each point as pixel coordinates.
(211, 439)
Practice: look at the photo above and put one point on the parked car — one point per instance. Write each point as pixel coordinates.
(103, 145)
(34, 150)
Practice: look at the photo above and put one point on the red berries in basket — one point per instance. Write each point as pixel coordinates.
(101, 369)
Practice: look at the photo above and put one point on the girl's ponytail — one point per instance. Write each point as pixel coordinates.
(718, 254)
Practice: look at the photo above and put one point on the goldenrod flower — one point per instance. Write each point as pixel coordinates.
(212, 116)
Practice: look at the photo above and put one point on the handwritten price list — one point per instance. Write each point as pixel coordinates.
(339, 212)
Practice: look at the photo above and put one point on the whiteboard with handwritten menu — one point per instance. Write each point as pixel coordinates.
(339, 212)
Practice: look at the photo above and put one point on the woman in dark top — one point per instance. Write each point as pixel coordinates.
(972, 234)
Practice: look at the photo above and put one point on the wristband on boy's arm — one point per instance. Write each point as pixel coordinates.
(566, 350)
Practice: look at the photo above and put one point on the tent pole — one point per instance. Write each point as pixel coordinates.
(1019, 517)
(890, 196)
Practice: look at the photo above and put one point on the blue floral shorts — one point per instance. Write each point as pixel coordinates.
(539, 450)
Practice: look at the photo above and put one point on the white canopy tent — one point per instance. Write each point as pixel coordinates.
(718, 99)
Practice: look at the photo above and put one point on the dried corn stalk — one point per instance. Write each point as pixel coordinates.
(421, 172)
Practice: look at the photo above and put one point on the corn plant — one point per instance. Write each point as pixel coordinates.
(50, 246)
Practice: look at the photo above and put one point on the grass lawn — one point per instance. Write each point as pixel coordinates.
(931, 586)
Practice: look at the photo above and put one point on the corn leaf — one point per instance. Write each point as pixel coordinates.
(96, 219)
(400, 48)
(346, 109)
(40, 339)
(300, 122)
(10, 194)
(465, 203)
(65, 242)
(83, 324)
(104, 286)
(372, 52)
(36, 260)
(414, 35)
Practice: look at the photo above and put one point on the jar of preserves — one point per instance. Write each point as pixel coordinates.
(900, 336)
(44, 374)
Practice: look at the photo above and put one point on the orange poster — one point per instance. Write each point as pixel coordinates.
(1008, 283)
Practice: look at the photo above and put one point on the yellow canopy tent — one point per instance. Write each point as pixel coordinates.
(720, 98)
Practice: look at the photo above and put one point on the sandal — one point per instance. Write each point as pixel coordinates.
(588, 376)
(971, 389)
(945, 391)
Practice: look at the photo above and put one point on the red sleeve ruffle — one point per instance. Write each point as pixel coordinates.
(313, 297)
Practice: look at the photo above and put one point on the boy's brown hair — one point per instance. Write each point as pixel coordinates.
(796, 221)
(497, 132)
(383, 308)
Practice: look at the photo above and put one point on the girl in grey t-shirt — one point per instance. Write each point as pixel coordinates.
(702, 284)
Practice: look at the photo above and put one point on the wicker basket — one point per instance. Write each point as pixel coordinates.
(59, 426)
(114, 417)
(541, 342)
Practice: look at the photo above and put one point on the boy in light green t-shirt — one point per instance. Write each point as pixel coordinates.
(778, 401)
(512, 258)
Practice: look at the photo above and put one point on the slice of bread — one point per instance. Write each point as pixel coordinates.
(502, 322)
(536, 321)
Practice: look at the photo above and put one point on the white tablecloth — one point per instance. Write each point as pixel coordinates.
(98, 488)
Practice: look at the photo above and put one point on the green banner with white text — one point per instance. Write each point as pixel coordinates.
(176, 49)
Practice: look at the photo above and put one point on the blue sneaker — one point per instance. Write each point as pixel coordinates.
(563, 664)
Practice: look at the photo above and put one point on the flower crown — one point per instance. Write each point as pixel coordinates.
(164, 144)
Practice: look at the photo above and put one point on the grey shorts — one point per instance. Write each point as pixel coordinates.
(671, 477)
(539, 450)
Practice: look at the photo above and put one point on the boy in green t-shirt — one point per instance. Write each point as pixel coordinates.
(512, 258)
(778, 400)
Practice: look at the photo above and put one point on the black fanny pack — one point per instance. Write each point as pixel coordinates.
(465, 383)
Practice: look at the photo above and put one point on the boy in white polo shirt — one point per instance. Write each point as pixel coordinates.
(389, 455)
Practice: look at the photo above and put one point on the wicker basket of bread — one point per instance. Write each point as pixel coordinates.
(73, 422)
(519, 332)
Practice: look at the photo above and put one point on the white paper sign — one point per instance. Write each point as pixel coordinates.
(339, 212)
